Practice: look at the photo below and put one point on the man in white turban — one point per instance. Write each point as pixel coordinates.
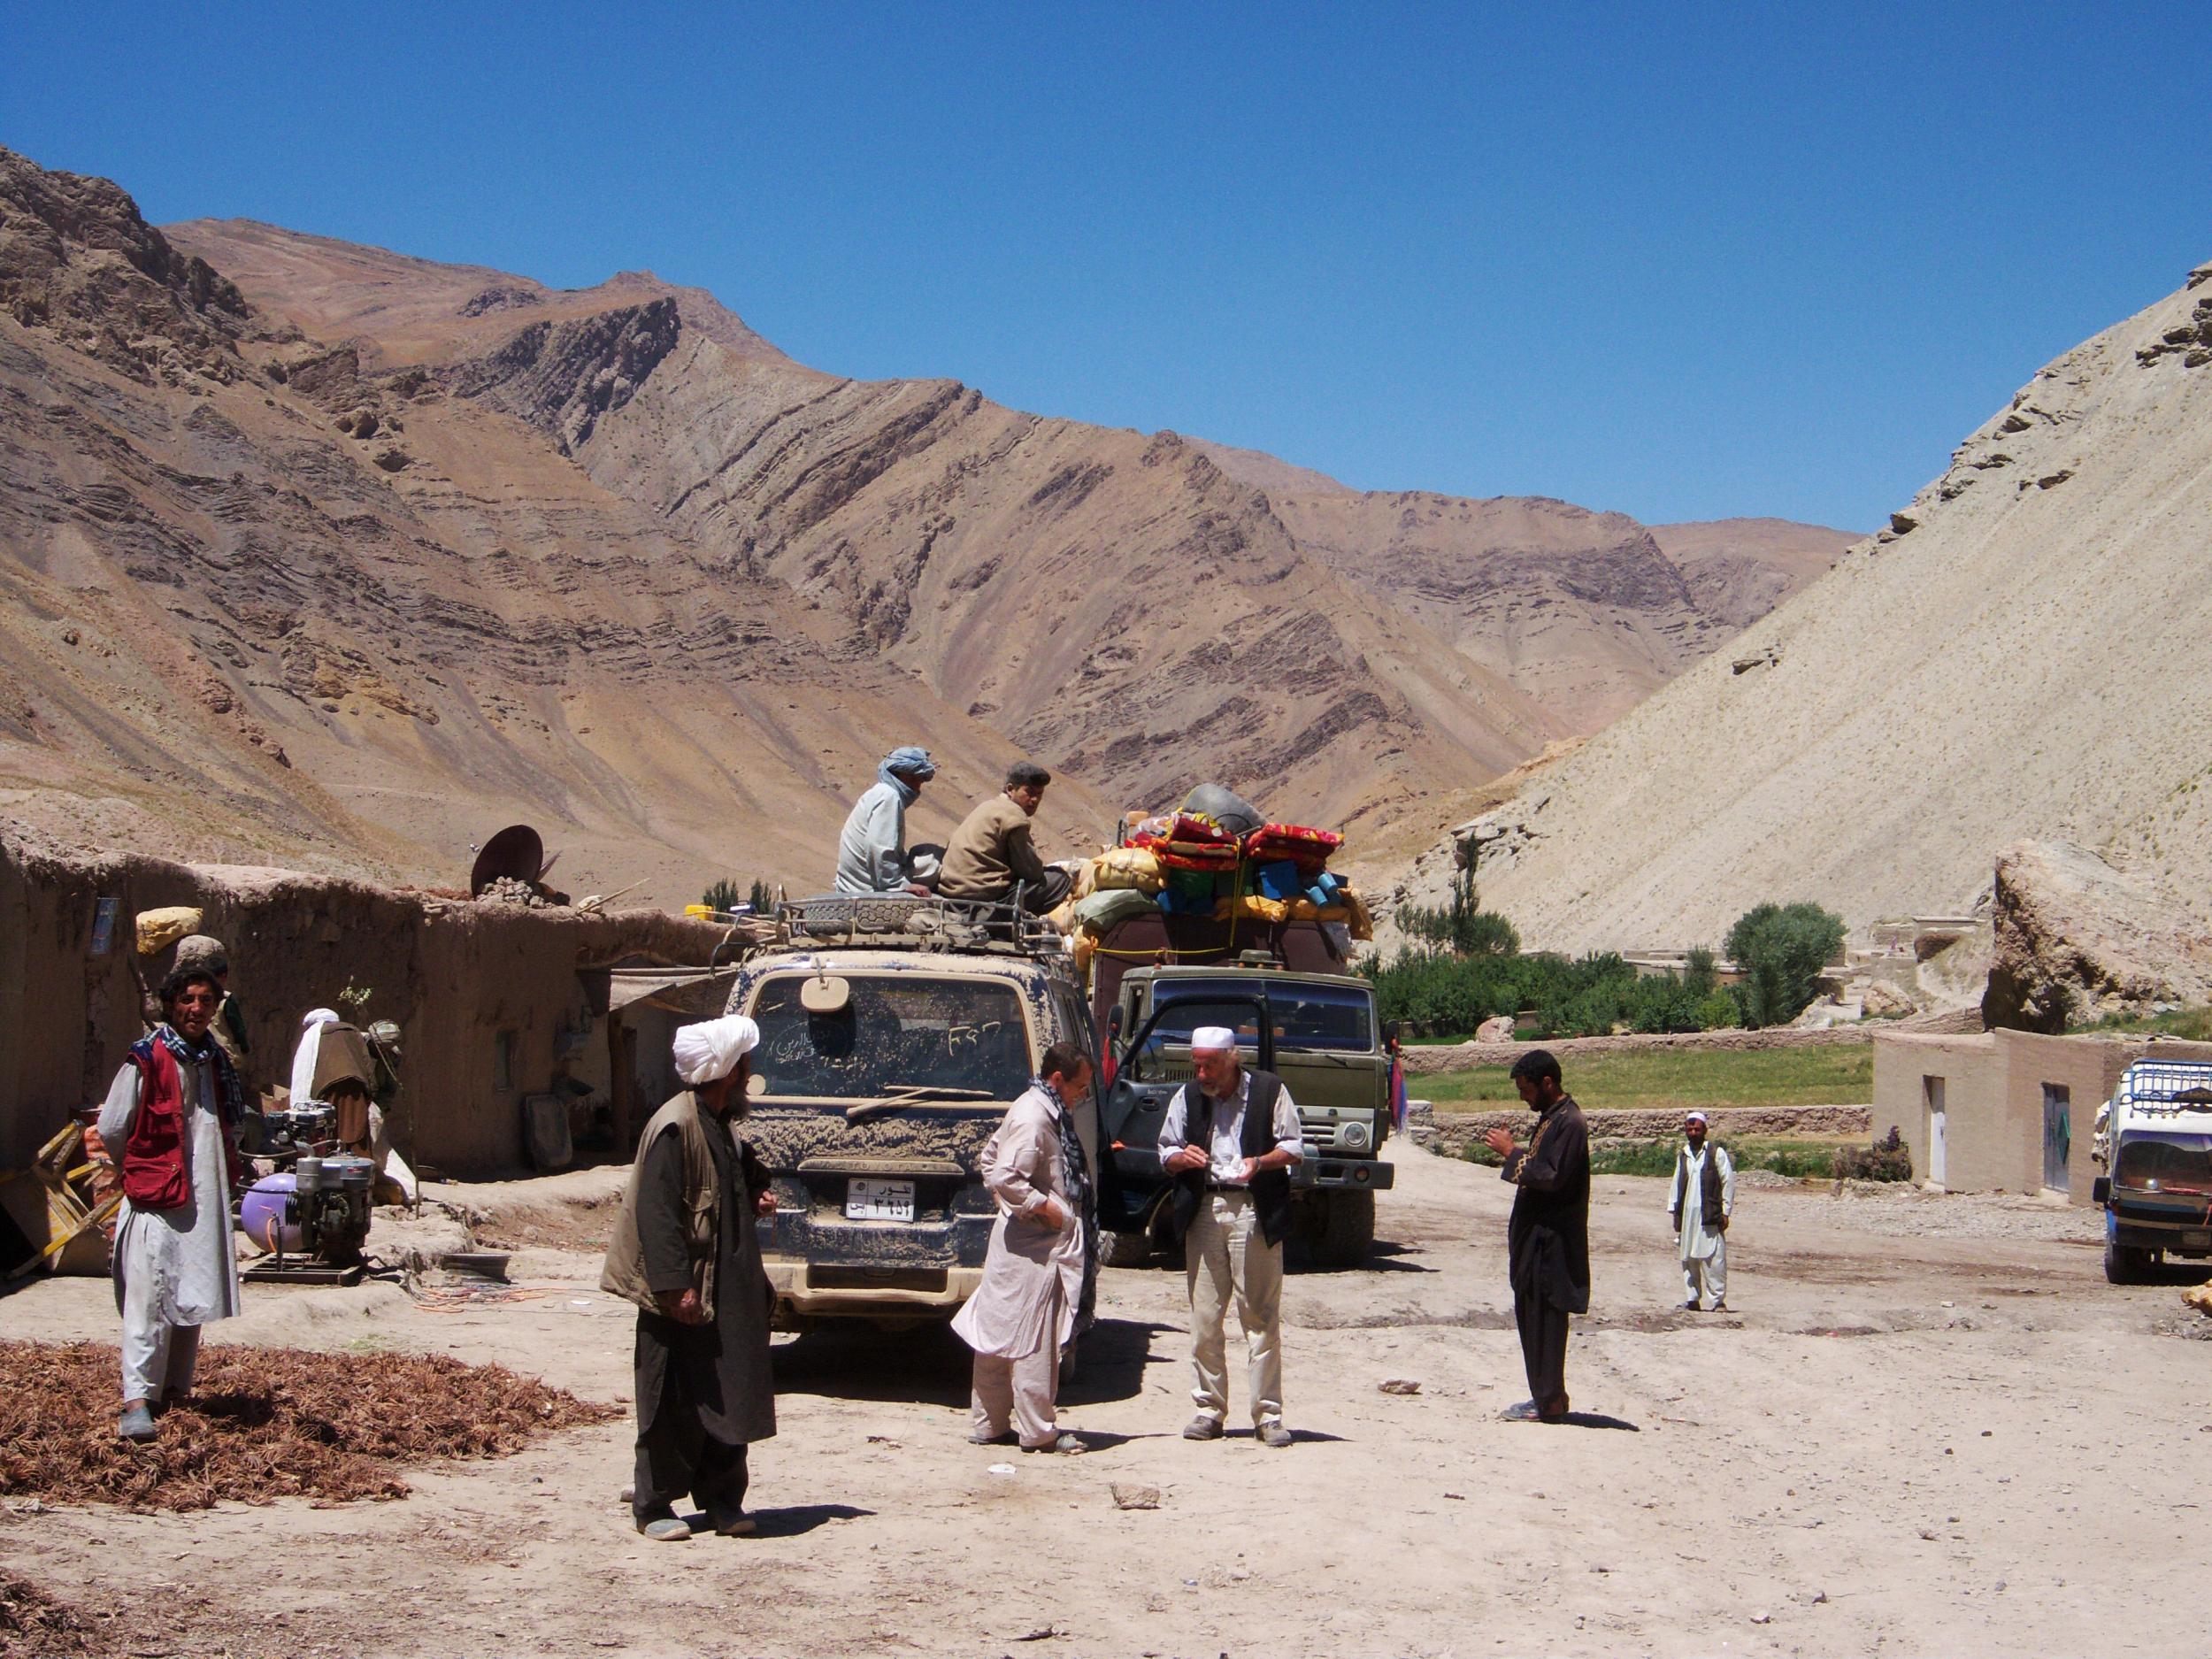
(1230, 1141)
(686, 1252)
(1700, 1202)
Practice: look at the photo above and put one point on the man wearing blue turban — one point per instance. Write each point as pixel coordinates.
(871, 851)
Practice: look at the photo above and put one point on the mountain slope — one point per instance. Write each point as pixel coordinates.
(2021, 655)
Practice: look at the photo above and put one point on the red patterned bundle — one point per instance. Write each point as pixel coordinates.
(1310, 849)
(1191, 840)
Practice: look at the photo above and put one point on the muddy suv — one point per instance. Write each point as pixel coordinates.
(1317, 1031)
(895, 1034)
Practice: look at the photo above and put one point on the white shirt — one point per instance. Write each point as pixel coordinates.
(1227, 1168)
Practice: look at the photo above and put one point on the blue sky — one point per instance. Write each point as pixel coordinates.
(1677, 260)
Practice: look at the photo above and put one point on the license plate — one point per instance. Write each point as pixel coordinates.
(2197, 1240)
(867, 1199)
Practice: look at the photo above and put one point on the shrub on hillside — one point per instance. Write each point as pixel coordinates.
(1780, 950)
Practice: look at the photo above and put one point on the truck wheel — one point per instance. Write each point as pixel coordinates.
(1124, 1250)
(2123, 1264)
(1347, 1229)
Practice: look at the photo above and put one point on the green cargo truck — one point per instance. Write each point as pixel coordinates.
(1298, 1011)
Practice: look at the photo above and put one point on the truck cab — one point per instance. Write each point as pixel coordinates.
(895, 1034)
(1316, 1031)
(2155, 1139)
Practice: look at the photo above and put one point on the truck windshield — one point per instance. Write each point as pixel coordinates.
(2165, 1164)
(905, 1033)
(1307, 1016)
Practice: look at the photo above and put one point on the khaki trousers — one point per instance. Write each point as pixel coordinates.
(1017, 1392)
(1225, 1254)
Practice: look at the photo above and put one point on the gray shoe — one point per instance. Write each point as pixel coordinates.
(1006, 1436)
(1059, 1443)
(1202, 1429)
(732, 1523)
(1272, 1434)
(135, 1423)
(1690, 1305)
(666, 1529)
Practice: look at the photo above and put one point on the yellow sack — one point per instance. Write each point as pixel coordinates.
(1086, 947)
(1129, 867)
(1362, 924)
(1269, 910)
(1086, 880)
(1064, 918)
(157, 930)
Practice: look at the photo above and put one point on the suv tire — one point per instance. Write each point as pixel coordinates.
(1124, 1250)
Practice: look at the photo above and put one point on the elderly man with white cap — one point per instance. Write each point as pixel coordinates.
(1699, 1203)
(685, 1252)
(1230, 1139)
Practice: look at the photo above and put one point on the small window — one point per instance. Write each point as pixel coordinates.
(503, 1060)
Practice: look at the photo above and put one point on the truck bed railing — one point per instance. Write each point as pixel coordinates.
(2176, 1085)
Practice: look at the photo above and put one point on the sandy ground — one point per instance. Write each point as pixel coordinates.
(1907, 1437)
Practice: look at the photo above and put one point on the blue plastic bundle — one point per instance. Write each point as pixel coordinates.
(1279, 881)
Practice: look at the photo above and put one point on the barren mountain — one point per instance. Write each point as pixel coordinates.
(2020, 655)
(321, 554)
(1587, 612)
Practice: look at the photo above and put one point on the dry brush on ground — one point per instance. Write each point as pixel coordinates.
(263, 1424)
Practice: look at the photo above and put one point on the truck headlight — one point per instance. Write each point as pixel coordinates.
(1352, 1137)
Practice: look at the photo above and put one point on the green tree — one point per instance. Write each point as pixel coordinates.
(723, 895)
(1462, 926)
(1780, 950)
(762, 898)
(1700, 975)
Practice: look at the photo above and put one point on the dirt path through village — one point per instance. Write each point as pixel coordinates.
(1928, 1425)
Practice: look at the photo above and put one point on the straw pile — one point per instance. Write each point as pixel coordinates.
(263, 1423)
(34, 1623)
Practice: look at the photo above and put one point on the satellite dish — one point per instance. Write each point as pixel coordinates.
(517, 852)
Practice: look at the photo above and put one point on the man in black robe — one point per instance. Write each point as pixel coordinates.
(686, 1252)
(1547, 1238)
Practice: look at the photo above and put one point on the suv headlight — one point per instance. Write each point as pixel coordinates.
(1351, 1136)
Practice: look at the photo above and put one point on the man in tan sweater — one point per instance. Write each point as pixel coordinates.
(992, 850)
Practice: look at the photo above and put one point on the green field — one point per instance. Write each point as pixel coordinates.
(1677, 1079)
(1803, 1157)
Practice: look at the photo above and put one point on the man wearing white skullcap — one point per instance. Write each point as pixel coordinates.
(1699, 1203)
(1230, 1141)
(684, 1251)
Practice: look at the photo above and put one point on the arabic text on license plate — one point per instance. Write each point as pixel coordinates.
(867, 1199)
(2196, 1240)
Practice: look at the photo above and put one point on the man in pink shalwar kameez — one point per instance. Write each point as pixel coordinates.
(1024, 1312)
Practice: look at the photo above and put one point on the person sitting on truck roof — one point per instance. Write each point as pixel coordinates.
(1022, 1313)
(872, 849)
(992, 852)
(1230, 1139)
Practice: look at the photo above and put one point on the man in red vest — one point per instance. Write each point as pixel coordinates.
(170, 1121)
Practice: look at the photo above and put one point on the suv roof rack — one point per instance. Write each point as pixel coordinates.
(2171, 1085)
(898, 921)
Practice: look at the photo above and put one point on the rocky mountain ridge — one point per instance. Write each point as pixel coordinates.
(325, 555)
(2017, 657)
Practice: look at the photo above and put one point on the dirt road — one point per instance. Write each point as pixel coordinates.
(1928, 1426)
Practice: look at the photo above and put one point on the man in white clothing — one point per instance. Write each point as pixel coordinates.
(1230, 1139)
(871, 848)
(1022, 1313)
(171, 1122)
(1699, 1203)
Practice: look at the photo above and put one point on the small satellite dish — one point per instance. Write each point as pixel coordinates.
(517, 852)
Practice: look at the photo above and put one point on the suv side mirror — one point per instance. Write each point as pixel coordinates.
(2100, 1190)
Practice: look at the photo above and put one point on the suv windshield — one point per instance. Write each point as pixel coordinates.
(1307, 1016)
(898, 1032)
(2166, 1163)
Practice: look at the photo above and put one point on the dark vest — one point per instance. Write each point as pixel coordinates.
(1270, 1188)
(1709, 1185)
